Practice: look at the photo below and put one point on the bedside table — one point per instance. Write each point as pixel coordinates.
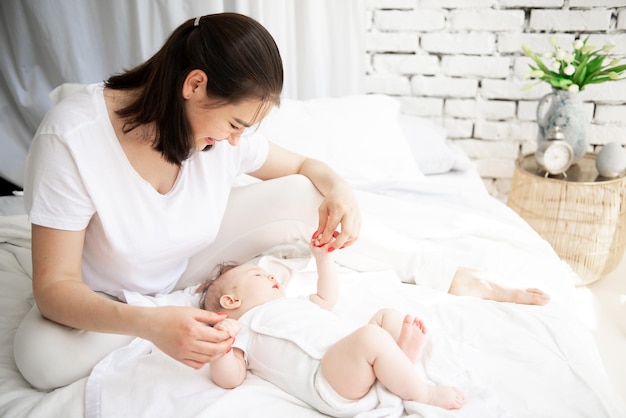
(583, 216)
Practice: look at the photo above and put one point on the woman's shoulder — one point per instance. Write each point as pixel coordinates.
(78, 108)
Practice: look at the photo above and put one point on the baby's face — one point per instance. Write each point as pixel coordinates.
(253, 285)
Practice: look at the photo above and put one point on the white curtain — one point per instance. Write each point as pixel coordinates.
(46, 43)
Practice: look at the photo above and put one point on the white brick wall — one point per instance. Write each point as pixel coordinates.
(460, 63)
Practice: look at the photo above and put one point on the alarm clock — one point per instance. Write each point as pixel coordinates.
(554, 155)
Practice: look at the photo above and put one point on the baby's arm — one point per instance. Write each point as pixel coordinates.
(229, 371)
(327, 280)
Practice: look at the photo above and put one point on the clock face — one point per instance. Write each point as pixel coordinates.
(556, 157)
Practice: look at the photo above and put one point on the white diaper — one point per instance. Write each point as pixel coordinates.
(340, 406)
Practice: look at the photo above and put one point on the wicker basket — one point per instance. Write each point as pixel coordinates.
(582, 217)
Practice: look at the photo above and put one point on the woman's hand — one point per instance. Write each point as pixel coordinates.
(183, 334)
(321, 251)
(339, 213)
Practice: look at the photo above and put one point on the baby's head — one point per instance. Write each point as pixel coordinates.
(215, 287)
(237, 288)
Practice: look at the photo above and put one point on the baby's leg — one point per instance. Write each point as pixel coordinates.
(353, 364)
(407, 331)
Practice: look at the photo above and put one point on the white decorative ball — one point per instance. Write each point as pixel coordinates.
(611, 160)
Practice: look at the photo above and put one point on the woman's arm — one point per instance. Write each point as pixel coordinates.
(339, 207)
(62, 297)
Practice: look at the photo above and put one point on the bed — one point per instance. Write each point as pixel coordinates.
(427, 211)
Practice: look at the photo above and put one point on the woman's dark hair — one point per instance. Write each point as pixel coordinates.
(238, 55)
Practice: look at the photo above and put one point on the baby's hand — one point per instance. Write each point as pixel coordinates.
(231, 326)
(321, 250)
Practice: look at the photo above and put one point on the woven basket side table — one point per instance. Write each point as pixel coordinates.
(582, 216)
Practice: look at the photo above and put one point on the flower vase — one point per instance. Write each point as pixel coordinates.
(564, 109)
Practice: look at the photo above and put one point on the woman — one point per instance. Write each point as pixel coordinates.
(127, 180)
(120, 195)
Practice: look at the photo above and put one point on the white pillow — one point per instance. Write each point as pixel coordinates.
(358, 136)
(428, 143)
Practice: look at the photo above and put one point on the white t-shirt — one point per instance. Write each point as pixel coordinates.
(78, 176)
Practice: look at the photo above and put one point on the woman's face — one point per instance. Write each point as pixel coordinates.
(212, 122)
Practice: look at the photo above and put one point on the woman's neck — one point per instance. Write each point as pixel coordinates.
(138, 144)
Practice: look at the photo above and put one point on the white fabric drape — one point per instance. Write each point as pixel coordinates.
(46, 43)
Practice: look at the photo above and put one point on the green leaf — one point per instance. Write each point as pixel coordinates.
(565, 83)
(579, 75)
(599, 80)
(617, 69)
(555, 82)
(593, 68)
(529, 86)
(542, 66)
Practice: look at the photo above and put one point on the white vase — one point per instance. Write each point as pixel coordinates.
(564, 109)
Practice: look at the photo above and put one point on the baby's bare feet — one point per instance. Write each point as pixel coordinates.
(411, 337)
(446, 397)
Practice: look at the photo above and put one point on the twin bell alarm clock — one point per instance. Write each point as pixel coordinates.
(554, 155)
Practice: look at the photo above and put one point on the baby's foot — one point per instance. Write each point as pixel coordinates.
(411, 337)
(446, 397)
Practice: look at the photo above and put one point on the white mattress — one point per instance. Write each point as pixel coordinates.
(511, 360)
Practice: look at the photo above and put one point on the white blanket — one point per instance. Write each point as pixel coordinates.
(511, 360)
(124, 380)
(17, 397)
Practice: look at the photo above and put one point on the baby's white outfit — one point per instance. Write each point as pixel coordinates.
(284, 342)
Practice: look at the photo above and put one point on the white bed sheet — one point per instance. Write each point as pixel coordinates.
(512, 360)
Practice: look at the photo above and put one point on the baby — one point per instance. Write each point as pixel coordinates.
(304, 349)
